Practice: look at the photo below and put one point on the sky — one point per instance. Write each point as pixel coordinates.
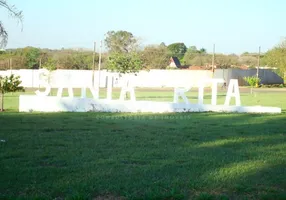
(234, 26)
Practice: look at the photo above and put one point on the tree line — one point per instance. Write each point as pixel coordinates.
(35, 58)
(120, 43)
(158, 56)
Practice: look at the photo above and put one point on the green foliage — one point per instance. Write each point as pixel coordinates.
(177, 49)
(155, 57)
(198, 60)
(124, 63)
(172, 68)
(226, 61)
(76, 61)
(273, 86)
(196, 57)
(162, 44)
(202, 51)
(50, 64)
(248, 60)
(65, 59)
(32, 56)
(252, 80)
(276, 57)
(190, 54)
(120, 41)
(9, 84)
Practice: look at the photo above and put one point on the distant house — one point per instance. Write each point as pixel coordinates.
(174, 62)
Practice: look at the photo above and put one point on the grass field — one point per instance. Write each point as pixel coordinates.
(144, 156)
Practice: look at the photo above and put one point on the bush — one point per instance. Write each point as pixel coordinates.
(124, 63)
(252, 80)
(273, 86)
(9, 84)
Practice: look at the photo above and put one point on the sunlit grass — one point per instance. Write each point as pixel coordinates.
(144, 156)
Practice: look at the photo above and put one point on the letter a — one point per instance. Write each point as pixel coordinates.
(232, 91)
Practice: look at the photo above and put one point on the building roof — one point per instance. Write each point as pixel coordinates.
(176, 61)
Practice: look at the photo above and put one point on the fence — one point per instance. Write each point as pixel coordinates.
(80, 78)
(152, 78)
(267, 76)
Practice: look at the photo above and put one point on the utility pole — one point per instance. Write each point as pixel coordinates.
(99, 63)
(213, 60)
(10, 65)
(258, 63)
(40, 67)
(93, 63)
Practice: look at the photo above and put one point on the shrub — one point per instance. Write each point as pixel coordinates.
(9, 84)
(273, 86)
(252, 80)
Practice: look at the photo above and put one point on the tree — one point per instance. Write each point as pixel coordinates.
(201, 60)
(76, 61)
(120, 42)
(276, 57)
(192, 49)
(226, 61)
(163, 44)
(50, 65)
(12, 10)
(124, 63)
(177, 50)
(9, 84)
(32, 56)
(155, 57)
(253, 81)
(190, 54)
(202, 52)
(250, 61)
(193, 56)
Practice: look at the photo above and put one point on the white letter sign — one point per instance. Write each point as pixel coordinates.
(109, 87)
(94, 92)
(82, 103)
(214, 90)
(232, 91)
(60, 91)
(180, 92)
(43, 76)
(201, 93)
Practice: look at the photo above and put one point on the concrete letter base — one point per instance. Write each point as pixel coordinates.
(32, 103)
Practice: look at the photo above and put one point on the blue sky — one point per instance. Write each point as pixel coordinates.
(234, 26)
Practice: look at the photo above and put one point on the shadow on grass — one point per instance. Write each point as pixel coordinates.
(162, 156)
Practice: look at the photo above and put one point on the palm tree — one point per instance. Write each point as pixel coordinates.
(12, 10)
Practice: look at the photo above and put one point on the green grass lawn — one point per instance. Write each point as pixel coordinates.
(144, 156)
